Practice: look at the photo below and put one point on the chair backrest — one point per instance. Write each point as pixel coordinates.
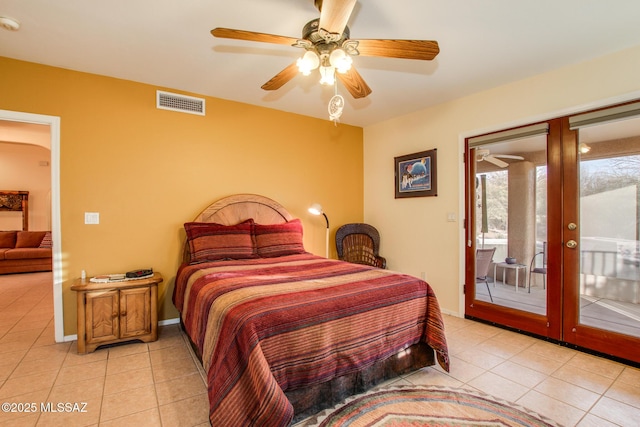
(358, 243)
(483, 261)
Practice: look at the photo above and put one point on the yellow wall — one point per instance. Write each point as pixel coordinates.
(415, 234)
(147, 171)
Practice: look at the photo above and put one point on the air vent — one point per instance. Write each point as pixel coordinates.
(182, 103)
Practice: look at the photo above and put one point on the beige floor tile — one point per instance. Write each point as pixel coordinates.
(127, 349)
(131, 362)
(22, 385)
(585, 379)
(630, 375)
(56, 351)
(596, 365)
(616, 412)
(431, 376)
(480, 358)
(500, 349)
(83, 412)
(91, 388)
(552, 351)
(515, 339)
(169, 354)
(31, 367)
(124, 381)
(124, 404)
(73, 374)
(568, 393)
(625, 392)
(498, 386)
(148, 418)
(537, 362)
(168, 335)
(186, 413)
(463, 371)
(23, 418)
(519, 374)
(561, 412)
(170, 370)
(180, 388)
(74, 359)
(590, 420)
(20, 420)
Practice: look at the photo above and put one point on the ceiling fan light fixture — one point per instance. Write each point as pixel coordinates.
(340, 60)
(327, 75)
(309, 62)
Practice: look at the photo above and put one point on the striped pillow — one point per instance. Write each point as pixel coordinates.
(279, 239)
(212, 242)
(47, 242)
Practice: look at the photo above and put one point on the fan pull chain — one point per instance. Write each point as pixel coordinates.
(336, 104)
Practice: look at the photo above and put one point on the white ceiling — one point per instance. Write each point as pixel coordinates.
(483, 44)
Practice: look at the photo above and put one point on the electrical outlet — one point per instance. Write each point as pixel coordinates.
(451, 216)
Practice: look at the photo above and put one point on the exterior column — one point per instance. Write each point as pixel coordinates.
(521, 226)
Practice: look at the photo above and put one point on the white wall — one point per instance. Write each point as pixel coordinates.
(415, 234)
(21, 169)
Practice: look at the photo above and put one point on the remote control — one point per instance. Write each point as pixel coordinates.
(139, 273)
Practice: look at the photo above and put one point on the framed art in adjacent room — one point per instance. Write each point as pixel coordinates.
(415, 175)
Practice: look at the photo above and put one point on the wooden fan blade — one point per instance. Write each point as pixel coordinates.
(281, 78)
(228, 33)
(334, 15)
(404, 49)
(354, 83)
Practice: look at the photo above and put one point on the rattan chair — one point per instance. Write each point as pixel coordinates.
(359, 243)
(484, 257)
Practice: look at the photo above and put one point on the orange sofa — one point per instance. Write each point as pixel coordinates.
(25, 251)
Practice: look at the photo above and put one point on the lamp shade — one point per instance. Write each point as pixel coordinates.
(315, 209)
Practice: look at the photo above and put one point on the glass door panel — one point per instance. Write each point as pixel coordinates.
(510, 213)
(609, 201)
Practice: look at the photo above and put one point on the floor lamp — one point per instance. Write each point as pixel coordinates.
(316, 209)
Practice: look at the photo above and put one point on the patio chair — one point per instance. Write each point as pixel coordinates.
(539, 270)
(359, 244)
(484, 258)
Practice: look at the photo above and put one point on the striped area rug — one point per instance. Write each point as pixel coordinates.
(433, 406)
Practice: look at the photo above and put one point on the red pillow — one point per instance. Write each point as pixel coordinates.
(212, 242)
(8, 239)
(279, 239)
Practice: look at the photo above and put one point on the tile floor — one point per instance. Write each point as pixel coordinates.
(160, 384)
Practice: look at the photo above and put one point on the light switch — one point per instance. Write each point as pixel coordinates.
(92, 218)
(451, 216)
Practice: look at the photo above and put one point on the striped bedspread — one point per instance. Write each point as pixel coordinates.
(267, 325)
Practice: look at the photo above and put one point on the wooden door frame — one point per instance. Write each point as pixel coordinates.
(599, 340)
(533, 323)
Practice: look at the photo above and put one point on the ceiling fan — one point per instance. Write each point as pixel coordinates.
(485, 155)
(329, 48)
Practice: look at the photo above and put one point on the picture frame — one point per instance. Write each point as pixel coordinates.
(416, 174)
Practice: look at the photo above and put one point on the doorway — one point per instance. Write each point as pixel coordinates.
(558, 202)
(54, 125)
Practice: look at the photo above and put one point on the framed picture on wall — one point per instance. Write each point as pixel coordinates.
(415, 174)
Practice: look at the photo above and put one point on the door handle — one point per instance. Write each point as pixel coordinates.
(572, 244)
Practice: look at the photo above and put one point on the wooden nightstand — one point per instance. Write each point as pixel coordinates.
(116, 312)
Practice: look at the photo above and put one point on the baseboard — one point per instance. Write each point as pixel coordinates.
(173, 321)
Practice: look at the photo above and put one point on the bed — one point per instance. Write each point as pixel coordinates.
(283, 333)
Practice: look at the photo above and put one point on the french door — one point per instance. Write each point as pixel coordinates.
(557, 204)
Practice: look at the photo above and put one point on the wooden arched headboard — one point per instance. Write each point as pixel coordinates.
(234, 209)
